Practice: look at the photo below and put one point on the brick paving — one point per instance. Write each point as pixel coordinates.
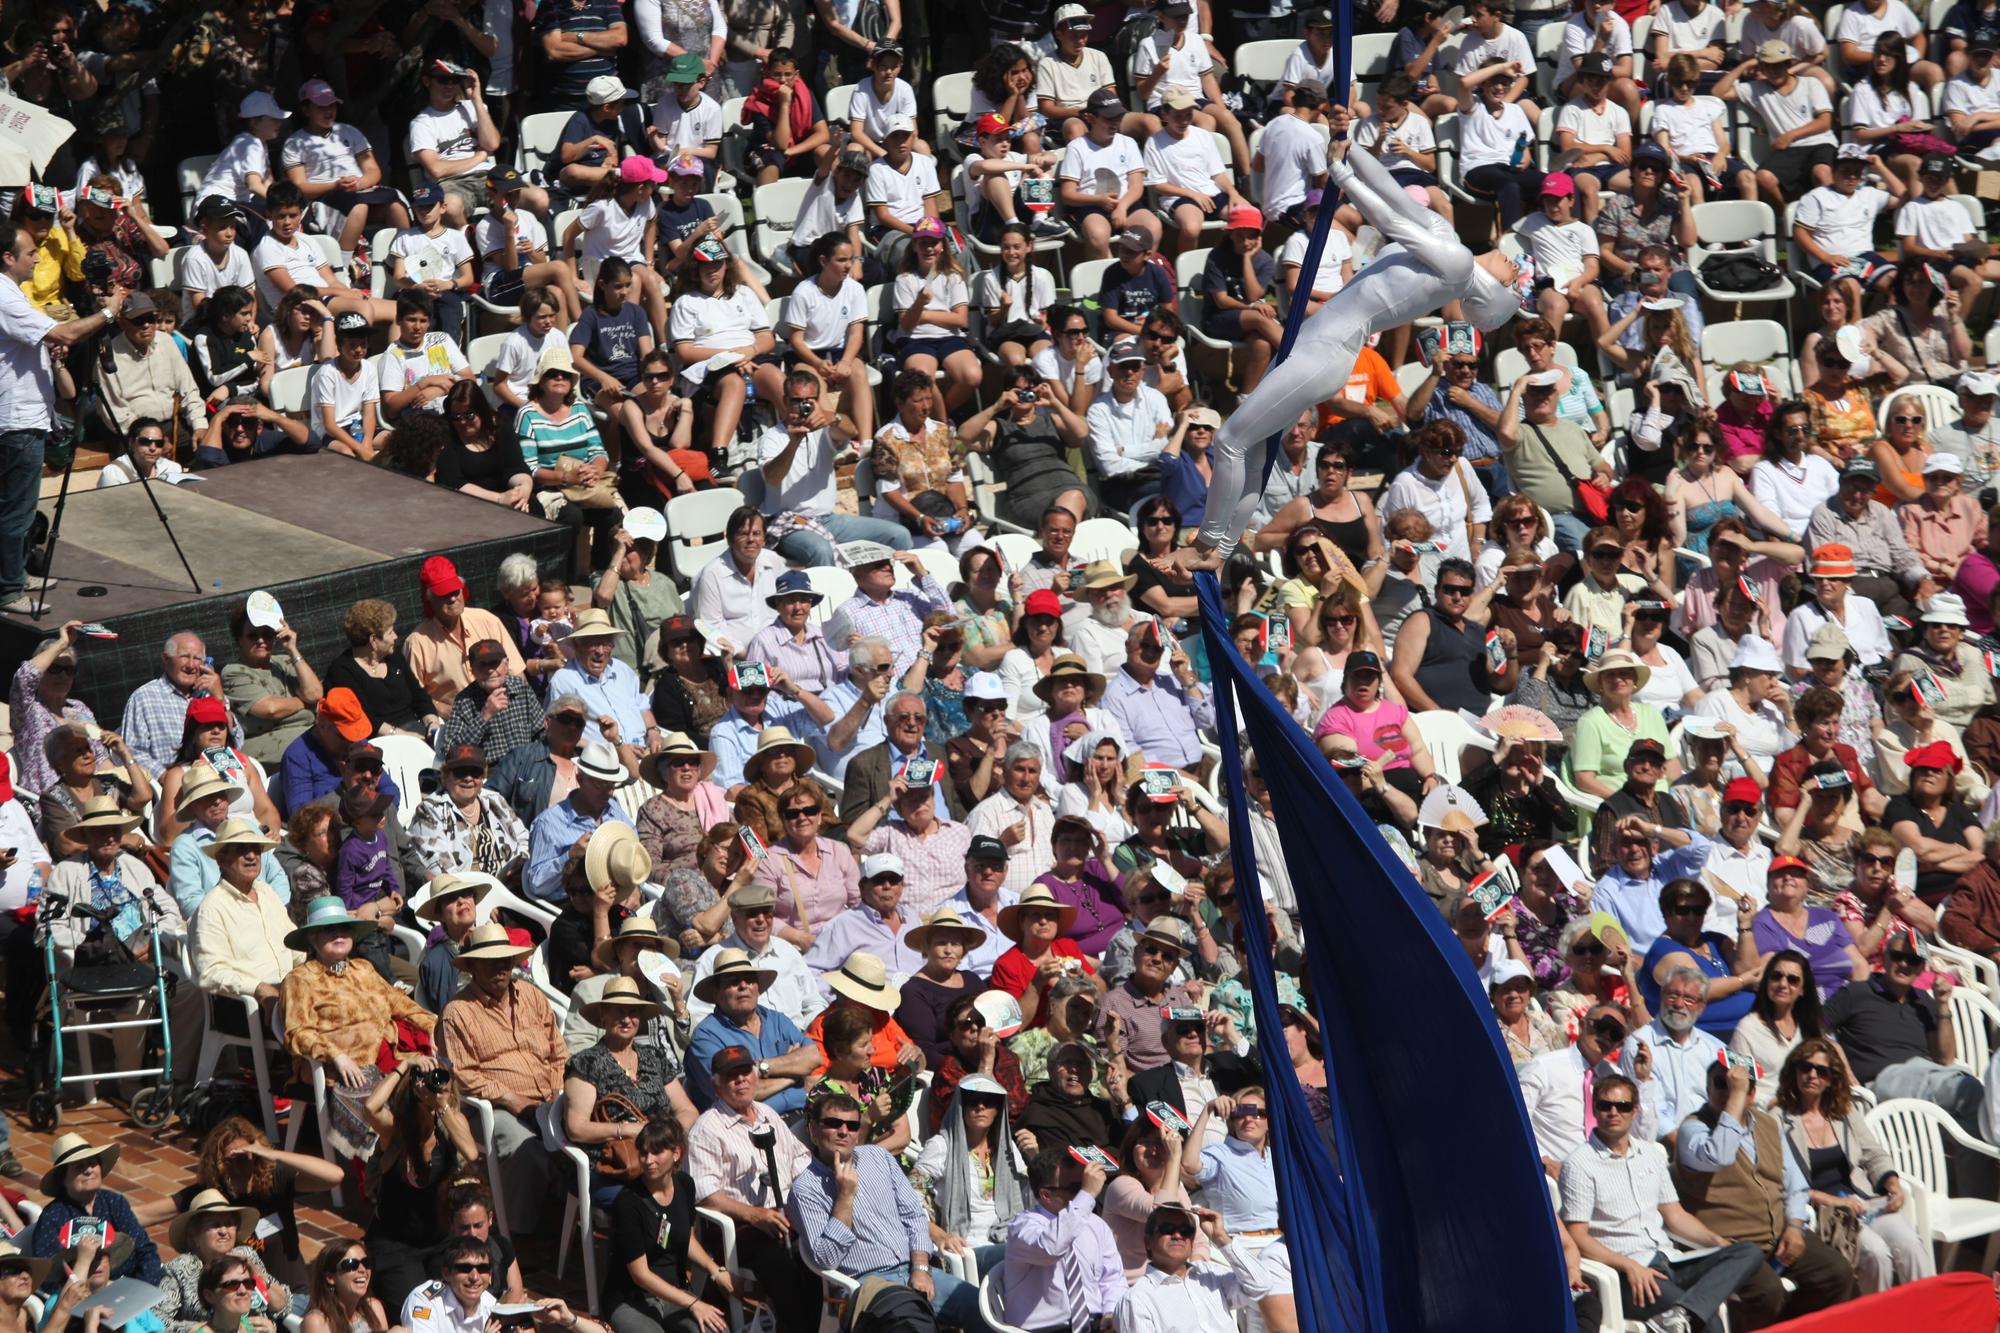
(154, 1164)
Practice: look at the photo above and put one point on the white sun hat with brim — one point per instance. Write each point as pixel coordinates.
(864, 979)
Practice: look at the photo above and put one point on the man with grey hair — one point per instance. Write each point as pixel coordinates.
(1163, 715)
(881, 610)
(1681, 1052)
(526, 778)
(1019, 815)
(870, 772)
(156, 714)
(857, 702)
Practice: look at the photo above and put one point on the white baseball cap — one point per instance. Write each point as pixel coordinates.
(1978, 383)
(986, 685)
(605, 89)
(1506, 970)
(881, 863)
(1070, 13)
(1944, 462)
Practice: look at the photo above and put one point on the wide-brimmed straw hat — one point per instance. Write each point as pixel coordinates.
(592, 623)
(236, 833)
(864, 978)
(945, 923)
(621, 993)
(1616, 660)
(1105, 574)
(105, 812)
(1036, 895)
(200, 782)
(490, 942)
(1069, 667)
(640, 928)
(326, 913)
(674, 745)
(615, 853)
(37, 1268)
(732, 965)
(74, 1150)
(475, 882)
(772, 739)
(208, 1203)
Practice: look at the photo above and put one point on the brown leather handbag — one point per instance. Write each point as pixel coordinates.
(619, 1157)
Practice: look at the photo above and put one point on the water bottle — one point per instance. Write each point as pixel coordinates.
(1520, 152)
(34, 886)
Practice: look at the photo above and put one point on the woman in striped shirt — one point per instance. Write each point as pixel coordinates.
(560, 444)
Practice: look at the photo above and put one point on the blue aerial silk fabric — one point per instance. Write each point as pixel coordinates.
(1437, 1217)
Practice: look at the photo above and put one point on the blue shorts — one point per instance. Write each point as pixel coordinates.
(1601, 173)
(938, 348)
(1878, 270)
(504, 286)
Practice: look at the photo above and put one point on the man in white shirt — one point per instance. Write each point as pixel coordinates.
(1128, 428)
(1972, 105)
(1797, 116)
(1062, 1259)
(1176, 1295)
(1291, 153)
(795, 458)
(454, 138)
(794, 993)
(1681, 1052)
(1835, 224)
(1556, 1087)
(1620, 1207)
(1598, 29)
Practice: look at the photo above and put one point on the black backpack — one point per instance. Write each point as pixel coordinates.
(882, 1306)
(1740, 271)
(209, 1104)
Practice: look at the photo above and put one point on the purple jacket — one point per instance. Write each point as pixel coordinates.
(363, 872)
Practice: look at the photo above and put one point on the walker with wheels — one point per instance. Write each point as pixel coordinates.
(103, 987)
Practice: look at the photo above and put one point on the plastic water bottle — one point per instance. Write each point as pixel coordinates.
(34, 886)
(1520, 152)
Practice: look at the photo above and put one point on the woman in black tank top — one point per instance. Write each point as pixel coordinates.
(1346, 517)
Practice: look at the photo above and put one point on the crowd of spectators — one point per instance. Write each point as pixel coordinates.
(857, 895)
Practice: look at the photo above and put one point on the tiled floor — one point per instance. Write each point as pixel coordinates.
(154, 1164)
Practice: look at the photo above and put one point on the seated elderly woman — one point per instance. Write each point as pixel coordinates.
(641, 952)
(209, 1229)
(391, 696)
(694, 899)
(106, 876)
(616, 1086)
(192, 871)
(74, 1184)
(688, 694)
(770, 773)
(466, 826)
(205, 742)
(1913, 724)
(80, 780)
(38, 700)
(671, 823)
(339, 1013)
(1929, 820)
(972, 1175)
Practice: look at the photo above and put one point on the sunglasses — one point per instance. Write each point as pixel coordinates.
(1903, 960)
(1688, 909)
(1178, 1230)
(802, 812)
(1342, 620)
(354, 1265)
(1454, 589)
(1614, 1108)
(1874, 859)
(1788, 978)
(1606, 553)
(1906, 421)
(1247, 1113)
(1159, 520)
(984, 1101)
(840, 1126)
(471, 1268)
(657, 376)
(456, 773)
(237, 1284)
(1154, 950)
(1817, 1071)
(567, 719)
(1630, 506)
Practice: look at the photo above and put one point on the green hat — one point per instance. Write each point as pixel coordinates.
(687, 67)
(321, 914)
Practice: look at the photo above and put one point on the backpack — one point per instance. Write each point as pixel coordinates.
(1740, 271)
(882, 1306)
(210, 1103)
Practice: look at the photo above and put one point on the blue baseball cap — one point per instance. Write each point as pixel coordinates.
(427, 194)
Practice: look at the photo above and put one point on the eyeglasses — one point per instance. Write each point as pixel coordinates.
(1591, 950)
(471, 1268)
(1900, 420)
(1817, 1071)
(1605, 1107)
(354, 1264)
(1154, 950)
(1739, 807)
(1454, 590)
(1903, 960)
(1524, 521)
(840, 1126)
(1701, 447)
(802, 812)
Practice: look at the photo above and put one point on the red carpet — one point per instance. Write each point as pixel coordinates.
(1954, 1303)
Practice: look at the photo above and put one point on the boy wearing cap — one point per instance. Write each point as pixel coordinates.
(1930, 226)
(199, 270)
(344, 404)
(334, 165)
(902, 187)
(1066, 79)
(1237, 280)
(241, 173)
(1101, 183)
(433, 258)
(1835, 223)
(1185, 171)
(1173, 55)
(1597, 41)
(994, 166)
(1134, 287)
(454, 138)
(687, 123)
(604, 131)
(1798, 118)
(879, 100)
(1975, 437)
(1565, 253)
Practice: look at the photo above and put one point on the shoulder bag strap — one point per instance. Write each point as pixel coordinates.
(1924, 375)
(1554, 455)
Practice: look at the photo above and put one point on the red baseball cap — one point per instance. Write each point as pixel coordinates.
(1743, 789)
(206, 712)
(1938, 754)
(440, 577)
(1043, 602)
(1783, 863)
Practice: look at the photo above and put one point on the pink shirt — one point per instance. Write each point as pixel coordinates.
(1696, 610)
(1977, 577)
(1377, 733)
(1741, 436)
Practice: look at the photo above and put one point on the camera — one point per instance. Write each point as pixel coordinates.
(436, 1079)
(802, 412)
(1024, 395)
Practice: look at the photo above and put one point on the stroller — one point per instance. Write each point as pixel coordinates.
(103, 987)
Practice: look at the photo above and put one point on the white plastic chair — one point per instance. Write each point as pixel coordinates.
(214, 1041)
(479, 1112)
(1915, 1133)
(404, 758)
(1974, 970)
(539, 133)
(1103, 539)
(1016, 548)
(695, 526)
(289, 389)
(990, 1287)
(1940, 404)
(951, 94)
(1746, 225)
(777, 206)
(837, 1287)
(1763, 341)
(1445, 735)
(832, 584)
(1973, 1020)
(1264, 62)
(297, 1123)
(578, 1210)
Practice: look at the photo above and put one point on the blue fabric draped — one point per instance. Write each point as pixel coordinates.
(1437, 1216)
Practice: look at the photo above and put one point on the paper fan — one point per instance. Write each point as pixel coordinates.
(1522, 723)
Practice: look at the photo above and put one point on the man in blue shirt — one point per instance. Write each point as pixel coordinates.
(1164, 715)
(579, 41)
(557, 833)
(784, 1055)
(1453, 392)
(314, 764)
(1630, 890)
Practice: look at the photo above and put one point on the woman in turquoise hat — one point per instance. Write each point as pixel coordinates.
(340, 1014)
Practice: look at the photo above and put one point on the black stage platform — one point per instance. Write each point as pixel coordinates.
(320, 531)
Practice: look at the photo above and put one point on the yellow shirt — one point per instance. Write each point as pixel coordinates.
(59, 256)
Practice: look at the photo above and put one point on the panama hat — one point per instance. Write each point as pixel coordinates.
(592, 623)
(235, 833)
(614, 853)
(37, 1268)
(74, 1150)
(597, 759)
(476, 882)
(208, 1203)
(864, 979)
(1617, 660)
(1163, 932)
(1036, 895)
(324, 913)
(621, 993)
(490, 943)
(674, 745)
(730, 965)
(201, 782)
(1066, 668)
(105, 812)
(1105, 574)
(945, 922)
(778, 738)
(641, 928)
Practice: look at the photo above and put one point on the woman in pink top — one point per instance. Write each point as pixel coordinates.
(1380, 728)
(1747, 400)
(1151, 1155)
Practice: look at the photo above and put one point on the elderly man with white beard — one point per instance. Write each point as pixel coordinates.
(1680, 1053)
(1095, 628)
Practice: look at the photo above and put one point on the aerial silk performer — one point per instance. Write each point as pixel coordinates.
(1422, 268)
